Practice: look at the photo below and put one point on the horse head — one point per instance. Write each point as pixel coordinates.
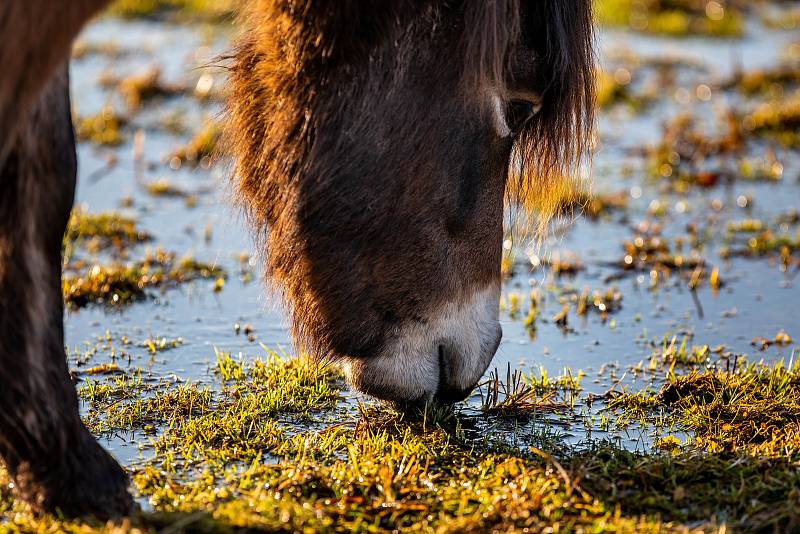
(374, 147)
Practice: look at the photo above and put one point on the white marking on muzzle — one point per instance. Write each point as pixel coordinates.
(408, 369)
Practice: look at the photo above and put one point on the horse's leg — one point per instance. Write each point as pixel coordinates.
(35, 38)
(54, 461)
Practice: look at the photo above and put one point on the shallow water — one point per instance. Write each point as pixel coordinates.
(756, 300)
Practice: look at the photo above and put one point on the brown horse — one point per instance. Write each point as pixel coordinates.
(374, 143)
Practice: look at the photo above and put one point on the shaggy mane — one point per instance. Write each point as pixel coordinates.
(552, 148)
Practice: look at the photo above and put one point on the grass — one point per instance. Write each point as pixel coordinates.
(233, 423)
(118, 283)
(233, 457)
(672, 354)
(271, 444)
(615, 88)
(103, 128)
(689, 156)
(682, 154)
(163, 188)
(581, 302)
(754, 408)
(161, 344)
(673, 17)
(519, 396)
(765, 81)
(280, 384)
(569, 199)
(201, 149)
(755, 238)
(777, 119)
(83, 49)
(120, 280)
(598, 301)
(652, 253)
(97, 231)
(181, 10)
(164, 404)
(140, 88)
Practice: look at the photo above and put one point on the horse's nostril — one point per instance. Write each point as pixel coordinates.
(446, 393)
(443, 369)
(452, 396)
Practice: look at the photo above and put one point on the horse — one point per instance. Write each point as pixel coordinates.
(373, 147)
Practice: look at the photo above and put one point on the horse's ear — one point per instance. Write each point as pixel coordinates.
(551, 149)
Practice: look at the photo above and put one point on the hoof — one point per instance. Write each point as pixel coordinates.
(87, 482)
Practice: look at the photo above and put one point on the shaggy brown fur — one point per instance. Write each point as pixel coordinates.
(363, 158)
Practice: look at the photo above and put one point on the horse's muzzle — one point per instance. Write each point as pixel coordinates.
(439, 360)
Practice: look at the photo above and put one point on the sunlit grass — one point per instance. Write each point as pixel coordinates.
(209, 10)
(233, 459)
(778, 119)
(673, 17)
(117, 283)
(103, 128)
(99, 230)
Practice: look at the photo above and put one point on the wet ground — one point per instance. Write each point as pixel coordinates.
(663, 77)
(627, 393)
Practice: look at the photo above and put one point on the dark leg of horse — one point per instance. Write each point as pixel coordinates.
(35, 38)
(54, 461)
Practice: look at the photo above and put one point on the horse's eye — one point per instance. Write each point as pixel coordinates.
(519, 112)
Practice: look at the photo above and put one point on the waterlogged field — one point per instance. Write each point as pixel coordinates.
(648, 377)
